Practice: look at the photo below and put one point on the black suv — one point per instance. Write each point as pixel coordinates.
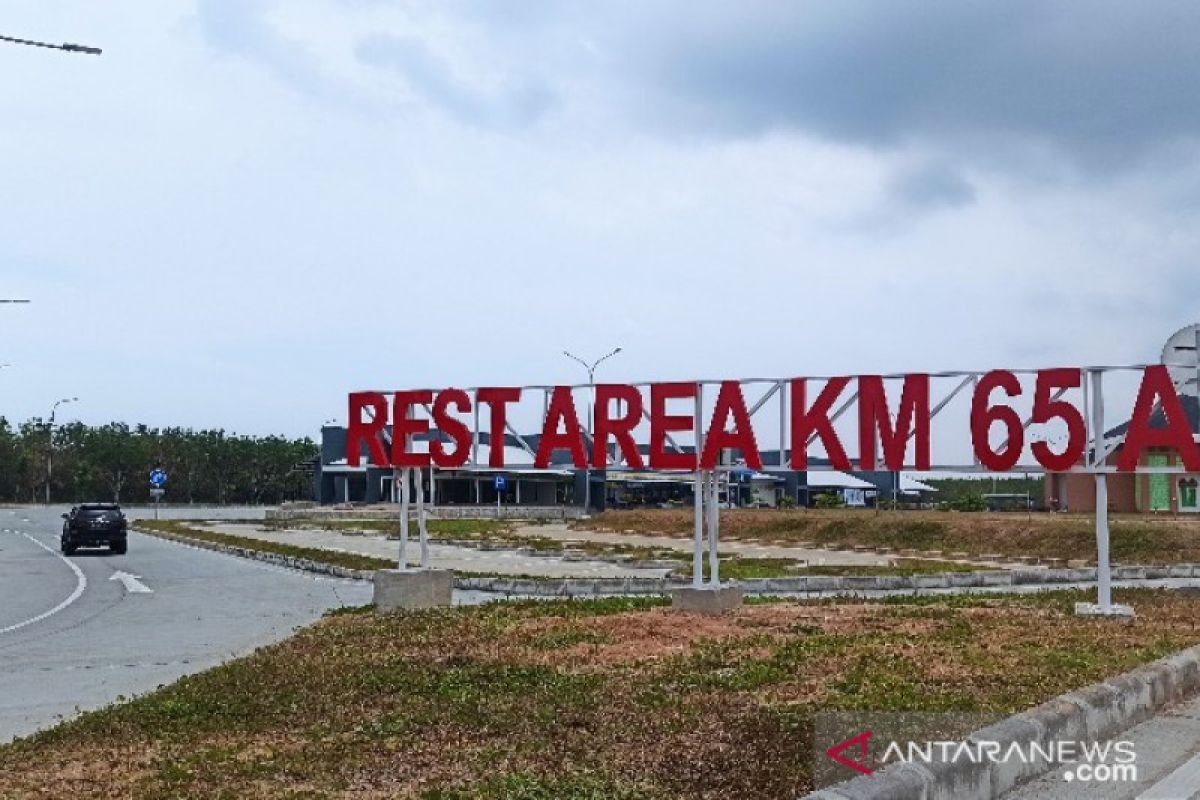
(95, 525)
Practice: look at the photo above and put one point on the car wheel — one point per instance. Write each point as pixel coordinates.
(120, 549)
(67, 550)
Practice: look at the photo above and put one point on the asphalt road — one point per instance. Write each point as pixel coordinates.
(79, 633)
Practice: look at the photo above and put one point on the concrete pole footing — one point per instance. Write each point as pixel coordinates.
(1097, 610)
(706, 599)
(403, 590)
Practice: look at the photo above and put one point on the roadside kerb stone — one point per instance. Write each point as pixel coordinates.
(996, 578)
(1021, 577)
(860, 583)
(1003, 777)
(964, 579)
(816, 583)
(894, 582)
(1081, 575)
(1094, 713)
(904, 782)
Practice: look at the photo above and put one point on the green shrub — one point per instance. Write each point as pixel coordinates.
(829, 501)
(967, 502)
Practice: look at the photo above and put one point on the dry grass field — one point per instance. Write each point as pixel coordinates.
(1135, 539)
(577, 700)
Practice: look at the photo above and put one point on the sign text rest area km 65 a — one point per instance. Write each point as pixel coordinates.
(864, 422)
(996, 421)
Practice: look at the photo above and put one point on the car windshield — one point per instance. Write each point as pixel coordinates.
(104, 514)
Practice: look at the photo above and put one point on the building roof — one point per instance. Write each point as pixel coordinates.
(832, 479)
(911, 484)
(1158, 418)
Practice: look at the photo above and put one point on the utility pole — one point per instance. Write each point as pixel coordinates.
(591, 371)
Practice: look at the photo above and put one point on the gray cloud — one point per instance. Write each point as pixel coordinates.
(1103, 82)
(931, 186)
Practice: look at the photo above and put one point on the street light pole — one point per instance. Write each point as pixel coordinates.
(65, 46)
(50, 444)
(591, 371)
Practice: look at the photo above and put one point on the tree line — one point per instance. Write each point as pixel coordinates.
(112, 463)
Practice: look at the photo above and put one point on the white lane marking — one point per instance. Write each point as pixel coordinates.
(80, 585)
(1182, 784)
(132, 584)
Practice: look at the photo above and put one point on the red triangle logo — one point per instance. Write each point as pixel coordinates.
(857, 762)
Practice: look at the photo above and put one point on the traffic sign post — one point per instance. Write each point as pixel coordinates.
(501, 483)
(158, 479)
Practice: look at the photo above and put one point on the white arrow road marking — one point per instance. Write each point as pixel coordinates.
(132, 584)
(80, 585)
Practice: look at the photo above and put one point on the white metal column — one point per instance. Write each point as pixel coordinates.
(698, 492)
(1103, 568)
(714, 527)
(404, 518)
(422, 527)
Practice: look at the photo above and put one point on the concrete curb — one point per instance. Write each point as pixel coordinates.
(1094, 713)
(801, 584)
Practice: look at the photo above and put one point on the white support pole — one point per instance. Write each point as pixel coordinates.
(432, 487)
(714, 528)
(698, 492)
(404, 518)
(422, 528)
(783, 415)
(1103, 569)
(475, 437)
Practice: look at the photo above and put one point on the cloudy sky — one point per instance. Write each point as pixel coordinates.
(246, 208)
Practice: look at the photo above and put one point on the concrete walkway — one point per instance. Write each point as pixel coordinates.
(511, 562)
(454, 557)
(814, 557)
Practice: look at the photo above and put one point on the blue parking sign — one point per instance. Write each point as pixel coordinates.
(501, 483)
